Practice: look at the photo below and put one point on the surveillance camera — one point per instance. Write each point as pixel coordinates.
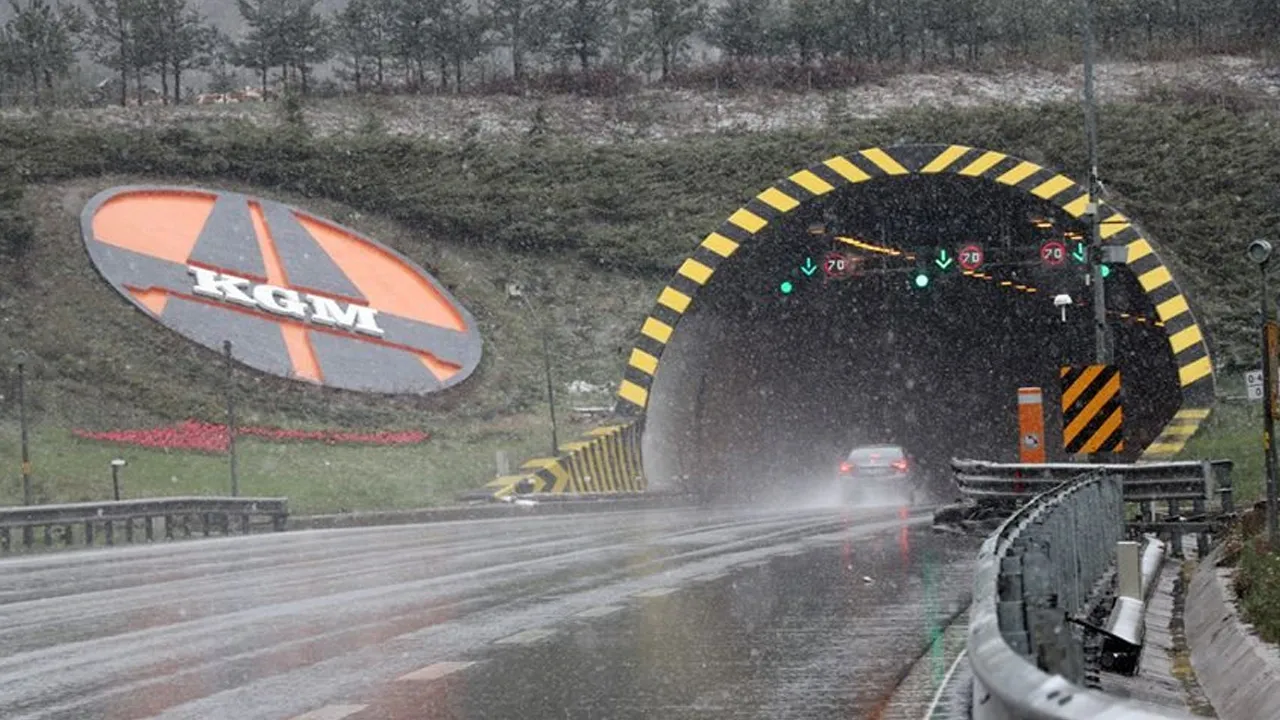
(1061, 300)
(1259, 251)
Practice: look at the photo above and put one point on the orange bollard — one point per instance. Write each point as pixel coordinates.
(1031, 425)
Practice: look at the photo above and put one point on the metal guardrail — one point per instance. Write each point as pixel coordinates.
(59, 523)
(1034, 575)
(1143, 482)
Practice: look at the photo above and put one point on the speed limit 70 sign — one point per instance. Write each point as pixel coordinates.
(1053, 253)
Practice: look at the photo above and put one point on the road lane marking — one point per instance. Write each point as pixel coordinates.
(435, 671)
(331, 712)
(528, 637)
(712, 577)
(601, 611)
(655, 592)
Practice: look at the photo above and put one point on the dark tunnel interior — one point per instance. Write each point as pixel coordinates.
(776, 370)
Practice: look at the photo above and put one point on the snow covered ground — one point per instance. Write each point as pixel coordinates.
(657, 114)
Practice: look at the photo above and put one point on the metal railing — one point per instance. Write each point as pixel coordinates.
(1037, 574)
(1143, 482)
(78, 523)
(1204, 485)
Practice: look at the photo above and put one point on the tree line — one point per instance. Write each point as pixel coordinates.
(418, 45)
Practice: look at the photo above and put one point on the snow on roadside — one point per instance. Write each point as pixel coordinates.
(657, 114)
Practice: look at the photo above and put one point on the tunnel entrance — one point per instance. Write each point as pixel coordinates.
(759, 369)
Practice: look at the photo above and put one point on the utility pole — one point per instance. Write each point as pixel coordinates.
(1260, 253)
(27, 495)
(551, 393)
(1102, 336)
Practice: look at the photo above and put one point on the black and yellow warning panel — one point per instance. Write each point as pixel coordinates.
(1092, 411)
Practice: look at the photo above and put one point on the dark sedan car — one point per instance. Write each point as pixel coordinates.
(879, 474)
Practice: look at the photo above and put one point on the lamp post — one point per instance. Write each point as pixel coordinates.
(1102, 336)
(115, 476)
(1260, 254)
(515, 291)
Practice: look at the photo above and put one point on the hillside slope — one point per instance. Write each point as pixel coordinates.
(591, 231)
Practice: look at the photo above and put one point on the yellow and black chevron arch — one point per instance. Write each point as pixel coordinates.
(1186, 340)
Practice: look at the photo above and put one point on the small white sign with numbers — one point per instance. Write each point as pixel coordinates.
(1253, 381)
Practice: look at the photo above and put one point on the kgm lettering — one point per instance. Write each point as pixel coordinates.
(285, 302)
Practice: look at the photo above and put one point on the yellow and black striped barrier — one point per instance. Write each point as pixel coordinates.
(1092, 409)
(605, 461)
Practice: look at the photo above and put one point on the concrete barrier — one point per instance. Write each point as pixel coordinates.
(1239, 673)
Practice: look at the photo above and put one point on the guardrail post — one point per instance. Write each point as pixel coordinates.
(1175, 536)
(111, 532)
(1010, 608)
(1129, 570)
(4, 540)
(128, 530)
(1202, 539)
(88, 533)
(150, 526)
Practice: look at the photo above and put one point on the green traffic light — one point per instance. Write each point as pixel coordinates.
(786, 287)
(922, 280)
(1106, 270)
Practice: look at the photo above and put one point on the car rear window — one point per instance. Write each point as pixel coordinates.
(876, 455)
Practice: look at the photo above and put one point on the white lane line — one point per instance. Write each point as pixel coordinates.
(601, 611)
(528, 637)
(331, 712)
(655, 592)
(435, 671)
(712, 577)
(942, 687)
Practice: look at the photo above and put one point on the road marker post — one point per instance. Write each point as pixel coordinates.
(1031, 425)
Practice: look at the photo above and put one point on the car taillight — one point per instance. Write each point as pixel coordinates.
(900, 465)
(846, 467)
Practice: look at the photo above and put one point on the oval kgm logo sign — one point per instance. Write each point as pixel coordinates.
(297, 295)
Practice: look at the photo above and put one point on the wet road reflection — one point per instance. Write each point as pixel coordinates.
(662, 614)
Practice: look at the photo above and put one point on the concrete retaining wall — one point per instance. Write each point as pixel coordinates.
(1238, 672)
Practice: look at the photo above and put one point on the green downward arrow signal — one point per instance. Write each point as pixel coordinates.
(1080, 253)
(808, 268)
(943, 261)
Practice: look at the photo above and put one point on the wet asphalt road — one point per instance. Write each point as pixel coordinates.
(670, 613)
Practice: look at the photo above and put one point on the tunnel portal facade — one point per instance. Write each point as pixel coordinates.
(734, 356)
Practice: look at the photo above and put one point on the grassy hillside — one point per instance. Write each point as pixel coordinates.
(592, 230)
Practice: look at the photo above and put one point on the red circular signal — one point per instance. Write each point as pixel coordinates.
(972, 257)
(1053, 253)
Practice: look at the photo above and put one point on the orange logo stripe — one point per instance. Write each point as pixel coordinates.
(301, 354)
